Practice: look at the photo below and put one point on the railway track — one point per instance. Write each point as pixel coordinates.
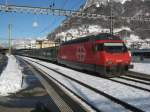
(135, 80)
(137, 75)
(114, 99)
(141, 79)
(62, 102)
(131, 84)
(130, 74)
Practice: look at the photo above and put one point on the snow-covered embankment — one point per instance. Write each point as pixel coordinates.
(141, 68)
(11, 77)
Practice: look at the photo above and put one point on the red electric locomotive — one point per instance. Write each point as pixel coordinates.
(103, 53)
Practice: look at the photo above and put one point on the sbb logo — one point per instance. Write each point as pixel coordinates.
(81, 53)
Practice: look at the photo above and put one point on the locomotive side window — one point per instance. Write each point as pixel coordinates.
(100, 47)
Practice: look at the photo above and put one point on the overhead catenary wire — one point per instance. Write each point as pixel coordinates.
(53, 22)
(47, 27)
(62, 12)
(68, 13)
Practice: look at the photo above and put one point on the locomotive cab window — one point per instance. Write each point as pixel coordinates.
(111, 47)
(115, 47)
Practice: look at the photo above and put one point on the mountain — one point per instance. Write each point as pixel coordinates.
(126, 8)
(132, 8)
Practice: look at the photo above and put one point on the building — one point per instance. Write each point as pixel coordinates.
(24, 44)
(45, 43)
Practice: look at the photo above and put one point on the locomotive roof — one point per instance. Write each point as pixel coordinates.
(102, 36)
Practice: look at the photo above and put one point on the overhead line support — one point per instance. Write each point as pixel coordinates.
(62, 12)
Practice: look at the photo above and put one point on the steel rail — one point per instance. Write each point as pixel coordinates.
(47, 75)
(125, 83)
(138, 75)
(114, 99)
(59, 97)
(133, 80)
(130, 85)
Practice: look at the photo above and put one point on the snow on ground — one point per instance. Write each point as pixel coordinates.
(93, 98)
(133, 96)
(11, 77)
(141, 68)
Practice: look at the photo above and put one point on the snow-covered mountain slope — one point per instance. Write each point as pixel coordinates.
(132, 40)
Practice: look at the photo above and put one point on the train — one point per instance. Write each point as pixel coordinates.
(101, 53)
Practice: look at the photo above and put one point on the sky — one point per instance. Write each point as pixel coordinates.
(30, 25)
